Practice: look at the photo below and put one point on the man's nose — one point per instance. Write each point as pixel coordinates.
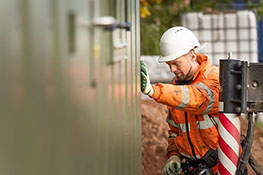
(173, 68)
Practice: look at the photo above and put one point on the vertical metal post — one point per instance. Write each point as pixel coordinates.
(230, 106)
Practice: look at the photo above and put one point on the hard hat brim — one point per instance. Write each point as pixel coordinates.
(163, 59)
(200, 48)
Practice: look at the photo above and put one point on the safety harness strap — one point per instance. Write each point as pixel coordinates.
(209, 159)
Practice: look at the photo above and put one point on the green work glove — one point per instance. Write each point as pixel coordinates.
(146, 86)
(172, 166)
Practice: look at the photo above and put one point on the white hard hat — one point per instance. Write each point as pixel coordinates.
(177, 41)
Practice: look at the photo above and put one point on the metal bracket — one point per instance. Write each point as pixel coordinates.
(241, 86)
(110, 23)
(254, 87)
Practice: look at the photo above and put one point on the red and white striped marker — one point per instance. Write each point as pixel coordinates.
(229, 139)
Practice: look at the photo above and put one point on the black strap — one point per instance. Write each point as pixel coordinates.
(209, 159)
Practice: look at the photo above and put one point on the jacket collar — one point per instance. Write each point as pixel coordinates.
(202, 60)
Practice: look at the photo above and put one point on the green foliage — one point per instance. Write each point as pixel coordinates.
(258, 7)
(163, 16)
(152, 27)
(260, 126)
(199, 5)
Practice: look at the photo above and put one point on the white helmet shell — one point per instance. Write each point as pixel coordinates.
(177, 41)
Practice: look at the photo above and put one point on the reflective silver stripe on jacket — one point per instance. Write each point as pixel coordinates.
(207, 123)
(185, 98)
(210, 96)
(216, 119)
(172, 136)
(178, 125)
(190, 156)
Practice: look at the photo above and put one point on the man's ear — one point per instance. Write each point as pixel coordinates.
(193, 55)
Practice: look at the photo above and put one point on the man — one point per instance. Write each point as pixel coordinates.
(192, 101)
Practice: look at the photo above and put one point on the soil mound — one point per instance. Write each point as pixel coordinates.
(154, 138)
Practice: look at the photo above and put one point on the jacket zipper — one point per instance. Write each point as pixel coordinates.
(188, 135)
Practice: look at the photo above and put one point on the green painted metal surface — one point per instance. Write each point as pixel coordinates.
(70, 92)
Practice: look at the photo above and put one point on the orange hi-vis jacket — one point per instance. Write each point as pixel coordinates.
(193, 112)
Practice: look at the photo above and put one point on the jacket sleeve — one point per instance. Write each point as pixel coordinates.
(199, 98)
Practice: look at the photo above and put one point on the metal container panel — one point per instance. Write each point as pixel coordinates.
(70, 99)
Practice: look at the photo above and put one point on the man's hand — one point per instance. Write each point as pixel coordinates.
(146, 86)
(172, 166)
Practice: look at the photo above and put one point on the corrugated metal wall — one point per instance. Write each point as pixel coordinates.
(70, 97)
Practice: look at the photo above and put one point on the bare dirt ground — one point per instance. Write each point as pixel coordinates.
(154, 138)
